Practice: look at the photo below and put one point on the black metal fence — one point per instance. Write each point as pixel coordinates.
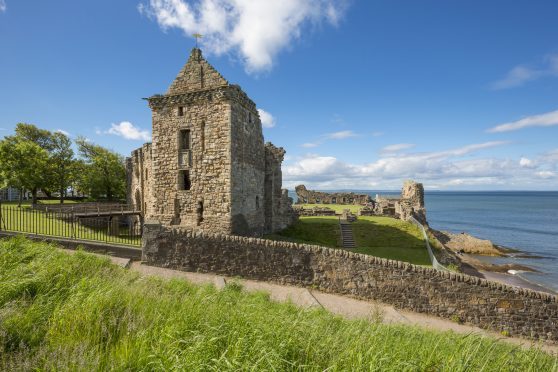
(119, 226)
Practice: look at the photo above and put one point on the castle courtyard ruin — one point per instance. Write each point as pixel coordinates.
(207, 167)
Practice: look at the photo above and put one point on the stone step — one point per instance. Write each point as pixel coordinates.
(347, 238)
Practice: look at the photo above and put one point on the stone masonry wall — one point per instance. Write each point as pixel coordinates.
(318, 197)
(247, 166)
(490, 305)
(206, 166)
(207, 116)
(139, 182)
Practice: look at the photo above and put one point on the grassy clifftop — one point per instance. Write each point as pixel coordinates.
(80, 312)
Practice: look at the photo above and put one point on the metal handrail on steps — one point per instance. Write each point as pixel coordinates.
(435, 263)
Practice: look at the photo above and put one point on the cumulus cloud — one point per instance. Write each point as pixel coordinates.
(255, 30)
(127, 130)
(520, 75)
(268, 121)
(397, 147)
(452, 167)
(2, 5)
(543, 120)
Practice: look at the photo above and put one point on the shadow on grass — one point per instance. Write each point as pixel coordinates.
(311, 230)
(390, 238)
(377, 236)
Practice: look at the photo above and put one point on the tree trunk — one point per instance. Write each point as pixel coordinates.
(109, 193)
(34, 197)
(20, 197)
(61, 195)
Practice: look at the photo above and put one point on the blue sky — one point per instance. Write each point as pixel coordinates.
(362, 94)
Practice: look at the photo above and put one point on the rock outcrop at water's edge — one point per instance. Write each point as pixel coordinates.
(465, 243)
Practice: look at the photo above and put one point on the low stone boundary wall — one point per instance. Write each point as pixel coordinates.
(490, 305)
(90, 246)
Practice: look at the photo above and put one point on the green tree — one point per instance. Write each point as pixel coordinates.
(104, 174)
(62, 164)
(23, 164)
(60, 172)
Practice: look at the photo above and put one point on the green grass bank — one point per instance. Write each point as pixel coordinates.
(374, 235)
(80, 312)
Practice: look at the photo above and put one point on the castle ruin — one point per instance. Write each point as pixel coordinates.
(318, 197)
(207, 167)
(410, 204)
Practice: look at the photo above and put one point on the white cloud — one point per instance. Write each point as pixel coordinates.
(340, 135)
(520, 75)
(543, 120)
(545, 174)
(397, 147)
(255, 30)
(310, 145)
(2, 5)
(128, 131)
(440, 169)
(526, 163)
(268, 121)
(377, 134)
(330, 136)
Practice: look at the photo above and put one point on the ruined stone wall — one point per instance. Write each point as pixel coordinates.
(247, 166)
(316, 197)
(278, 206)
(490, 305)
(139, 168)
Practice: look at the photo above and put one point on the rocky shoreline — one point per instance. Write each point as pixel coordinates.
(459, 250)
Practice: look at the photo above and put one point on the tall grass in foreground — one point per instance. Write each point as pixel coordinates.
(80, 312)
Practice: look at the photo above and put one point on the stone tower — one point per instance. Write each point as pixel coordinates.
(207, 166)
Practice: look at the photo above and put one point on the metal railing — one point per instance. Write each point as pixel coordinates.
(117, 227)
(435, 263)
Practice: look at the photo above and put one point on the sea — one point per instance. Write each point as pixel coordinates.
(523, 220)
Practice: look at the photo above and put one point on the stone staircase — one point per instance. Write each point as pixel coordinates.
(347, 238)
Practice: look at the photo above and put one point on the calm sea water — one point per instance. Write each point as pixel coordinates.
(525, 220)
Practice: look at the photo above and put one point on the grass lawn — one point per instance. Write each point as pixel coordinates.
(377, 236)
(336, 207)
(50, 201)
(312, 230)
(31, 221)
(390, 238)
(80, 312)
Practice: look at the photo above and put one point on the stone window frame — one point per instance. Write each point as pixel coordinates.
(181, 134)
(180, 111)
(184, 182)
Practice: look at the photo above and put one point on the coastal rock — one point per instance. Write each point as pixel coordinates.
(466, 243)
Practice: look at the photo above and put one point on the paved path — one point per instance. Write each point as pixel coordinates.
(346, 307)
